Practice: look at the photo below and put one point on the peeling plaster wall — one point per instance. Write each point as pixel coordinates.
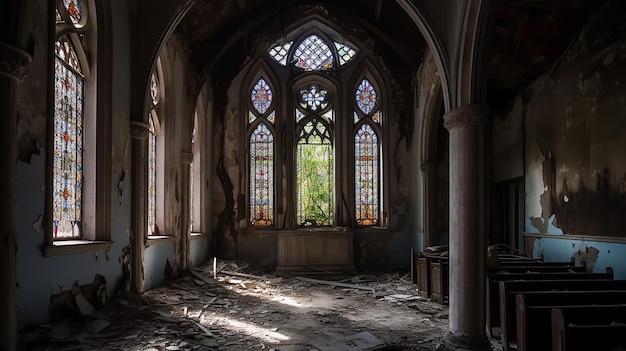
(576, 135)
(575, 147)
(39, 277)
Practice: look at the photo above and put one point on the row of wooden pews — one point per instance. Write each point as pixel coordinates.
(429, 270)
(555, 306)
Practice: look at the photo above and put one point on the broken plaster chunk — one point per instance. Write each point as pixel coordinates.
(84, 306)
(38, 224)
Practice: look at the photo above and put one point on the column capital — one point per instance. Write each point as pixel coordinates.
(465, 115)
(13, 61)
(139, 130)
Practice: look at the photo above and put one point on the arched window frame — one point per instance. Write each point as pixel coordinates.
(84, 36)
(155, 155)
(374, 119)
(326, 115)
(343, 79)
(269, 118)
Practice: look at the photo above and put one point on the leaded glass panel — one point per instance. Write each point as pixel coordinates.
(251, 117)
(376, 117)
(366, 96)
(315, 175)
(68, 153)
(261, 96)
(66, 52)
(261, 177)
(154, 89)
(272, 117)
(313, 98)
(313, 54)
(73, 9)
(366, 175)
(152, 184)
(345, 52)
(279, 53)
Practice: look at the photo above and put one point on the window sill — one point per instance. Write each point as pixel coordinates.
(159, 239)
(195, 236)
(71, 247)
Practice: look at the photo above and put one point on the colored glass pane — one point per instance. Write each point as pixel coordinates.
(191, 170)
(272, 117)
(313, 54)
(279, 53)
(376, 117)
(365, 96)
(251, 117)
(57, 15)
(366, 175)
(345, 52)
(313, 98)
(356, 117)
(154, 89)
(68, 153)
(66, 52)
(261, 177)
(152, 184)
(314, 175)
(73, 9)
(299, 115)
(328, 115)
(261, 96)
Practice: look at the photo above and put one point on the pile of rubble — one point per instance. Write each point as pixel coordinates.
(225, 307)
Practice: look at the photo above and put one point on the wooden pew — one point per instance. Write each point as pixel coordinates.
(580, 330)
(538, 323)
(439, 278)
(492, 290)
(533, 312)
(536, 268)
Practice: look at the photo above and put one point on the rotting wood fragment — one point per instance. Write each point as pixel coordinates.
(333, 283)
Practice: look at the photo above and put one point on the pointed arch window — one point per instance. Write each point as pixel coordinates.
(70, 69)
(152, 158)
(314, 157)
(367, 171)
(261, 117)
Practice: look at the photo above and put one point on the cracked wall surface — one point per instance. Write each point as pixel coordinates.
(575, 142)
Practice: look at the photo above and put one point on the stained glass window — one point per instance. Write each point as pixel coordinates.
(366, 97)
(279, 53)
(315, 175)
(154, 89)
(68, 148)
(345, 52)
(366, 175)
(66, 52)
(261, 177)
(191, 176)
(152, 183)
(261, 96)
(313, 54)
(73, 8)
(313, 98)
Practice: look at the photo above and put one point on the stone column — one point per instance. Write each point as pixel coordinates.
(467, 228)
(139, 134)
(13, 66)
(429, 174)
(185, 232)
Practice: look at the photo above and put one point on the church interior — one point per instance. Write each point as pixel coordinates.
(408, 143)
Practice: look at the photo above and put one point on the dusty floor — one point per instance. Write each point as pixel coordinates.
(244, 313)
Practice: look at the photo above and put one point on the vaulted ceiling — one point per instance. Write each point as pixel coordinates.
(525, 38)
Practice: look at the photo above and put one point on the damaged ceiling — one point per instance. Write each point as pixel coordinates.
(524, 39)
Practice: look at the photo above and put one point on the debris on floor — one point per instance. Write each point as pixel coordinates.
(243, 310)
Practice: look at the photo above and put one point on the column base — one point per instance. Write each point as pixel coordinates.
(466, 343)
